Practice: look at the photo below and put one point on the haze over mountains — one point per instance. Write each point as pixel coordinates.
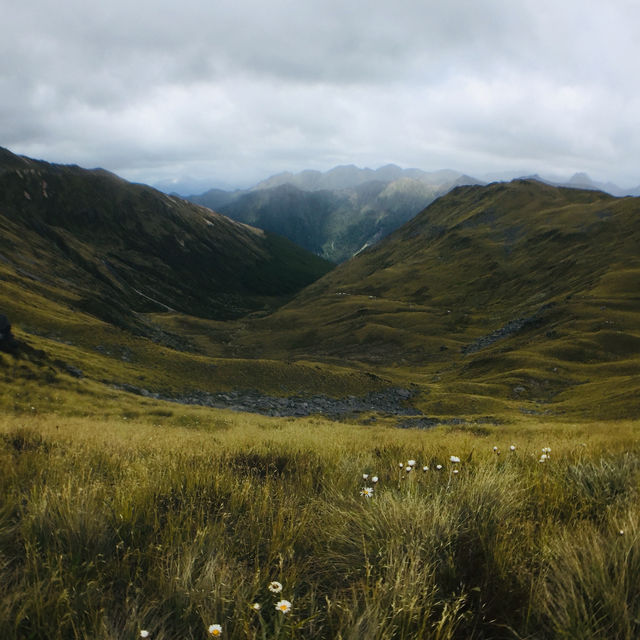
(339, 212)
(501, 298)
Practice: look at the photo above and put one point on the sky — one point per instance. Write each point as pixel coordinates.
(197, 94)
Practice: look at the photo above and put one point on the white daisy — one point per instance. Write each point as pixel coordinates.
(454, 459)
(144, 633)
(215, 630)
(374, 479)
(275, 587)
(284, 606)
(367, 492)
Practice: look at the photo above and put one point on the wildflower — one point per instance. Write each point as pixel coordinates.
(367, 492)
(144, 633)
(546, 450)
(454, 459)
(215, 630)
(512, 447)
(374, 479)
(543, 457)
(411, 463)
(408, 469)
(455, 471)
(495, 449)
(256, 606)
(438, 467)
(275, 587)
(401, 465)
(621, 532)
(425, 468)
(365, 476)
(284, 606)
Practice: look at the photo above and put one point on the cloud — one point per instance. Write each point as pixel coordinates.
(227, 92)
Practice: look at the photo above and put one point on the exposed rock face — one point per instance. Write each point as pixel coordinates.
(7, 341)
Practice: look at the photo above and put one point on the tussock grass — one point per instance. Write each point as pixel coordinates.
(109, 526)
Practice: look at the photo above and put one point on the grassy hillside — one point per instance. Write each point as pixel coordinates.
(494, 302)
(523, 293)
(96, 243)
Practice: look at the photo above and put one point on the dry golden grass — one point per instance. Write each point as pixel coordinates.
(170, 519)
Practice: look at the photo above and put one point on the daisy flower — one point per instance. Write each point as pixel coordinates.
(365, 476)
(367, 492)
(374, 479)
(215, 630)
(275, 587)
(438, 467)
(284, 606)
(425, 468)
(512, 447)
(144, 633)
(454, 459)
(411, 463)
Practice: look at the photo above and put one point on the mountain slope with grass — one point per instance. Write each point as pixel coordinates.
(114, 249)
(520, 292)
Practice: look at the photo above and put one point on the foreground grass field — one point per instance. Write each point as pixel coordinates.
(172, 519)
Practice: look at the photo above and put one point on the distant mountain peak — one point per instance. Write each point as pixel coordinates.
(582, 179)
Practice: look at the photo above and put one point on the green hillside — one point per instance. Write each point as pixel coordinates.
(495, 302)
(520, 293)
(96, 243)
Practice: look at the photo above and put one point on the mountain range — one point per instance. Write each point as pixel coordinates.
(337, 213)
(496, 300)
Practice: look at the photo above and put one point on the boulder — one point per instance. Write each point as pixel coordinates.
(7, 341)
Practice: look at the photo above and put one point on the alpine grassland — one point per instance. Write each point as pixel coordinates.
(206, 431)
(171, 519)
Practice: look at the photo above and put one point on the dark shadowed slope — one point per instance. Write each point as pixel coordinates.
(115, 249)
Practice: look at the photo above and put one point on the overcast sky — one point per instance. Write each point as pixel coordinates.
(226, 92)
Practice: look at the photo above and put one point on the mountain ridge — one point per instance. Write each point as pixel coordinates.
(132, 242)
(336, 213)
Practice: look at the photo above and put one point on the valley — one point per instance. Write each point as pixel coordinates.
(193, 409)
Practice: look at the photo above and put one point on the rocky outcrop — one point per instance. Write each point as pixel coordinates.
(7, 341)
(392, 401)
(512, 327)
